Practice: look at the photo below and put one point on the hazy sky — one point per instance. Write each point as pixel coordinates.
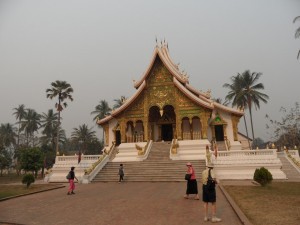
(99, 47)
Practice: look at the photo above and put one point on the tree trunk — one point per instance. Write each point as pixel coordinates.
(250, 111)
(247, 132)
(57, 135)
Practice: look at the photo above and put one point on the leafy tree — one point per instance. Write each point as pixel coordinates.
(28, 179)
(247, 92)
(5, 159)
(83, 136)
(62, 90)
(101, 111)
(7, 135)
(31, 159)
(233, 95)
(259, 143)
(94, 147)
(297, 33)
(119, 102)
(19, 113)
(49, 125)
(286, 132)
(30, 124)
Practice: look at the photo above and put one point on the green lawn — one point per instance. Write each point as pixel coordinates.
(11, 185)
(277, 203)
(15, 189)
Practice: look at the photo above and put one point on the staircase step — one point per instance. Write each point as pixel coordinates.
(158, 167)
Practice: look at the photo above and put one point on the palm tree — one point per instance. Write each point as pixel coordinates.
(62, 90)
(83, 135)
(246, 92)
(7, 135)
(30, 124)
(19, 114)
(101, 111)
(49, 123)
(234, 89)
(297, 33)
(119, 102)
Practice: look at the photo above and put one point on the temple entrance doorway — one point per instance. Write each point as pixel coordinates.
(167, 132)
(219, 133)
(162, 123)
(118, 137)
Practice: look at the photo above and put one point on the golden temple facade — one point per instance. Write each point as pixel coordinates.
(166, 107)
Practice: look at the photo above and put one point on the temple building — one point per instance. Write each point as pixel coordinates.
(165, 124)
(166, 107)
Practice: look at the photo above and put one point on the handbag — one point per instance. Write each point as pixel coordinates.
(187, 176)
(68, 176)
(211, 184)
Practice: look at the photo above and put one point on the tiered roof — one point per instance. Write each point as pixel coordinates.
(180, 80)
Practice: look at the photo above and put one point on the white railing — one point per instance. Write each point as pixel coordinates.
(246, 153)
(66, 159)
(294, 153)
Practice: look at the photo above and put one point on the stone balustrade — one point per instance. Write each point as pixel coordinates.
(63, 165)
(241, 164)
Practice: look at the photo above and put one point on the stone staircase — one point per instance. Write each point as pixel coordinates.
(221, 145)
(158, 167)
(291, 172)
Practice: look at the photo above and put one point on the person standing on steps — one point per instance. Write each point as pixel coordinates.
(121, 173)
(209, 193)
(71, 181)
(191, 186)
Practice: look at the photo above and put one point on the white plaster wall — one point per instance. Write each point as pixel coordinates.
(112, 124)
(226, 117)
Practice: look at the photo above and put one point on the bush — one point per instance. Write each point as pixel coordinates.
(28, 179)
(262, 176)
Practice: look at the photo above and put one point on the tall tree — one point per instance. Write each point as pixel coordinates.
(62, 90)
(19, 113)
(83, 136)
(49, 125)
(235, 88)
(101, 111)
(297, 33)
(119, 102)
(7, 135)
(30, 124)
(251, 91)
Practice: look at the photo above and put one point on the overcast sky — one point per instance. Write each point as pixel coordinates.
(99, 47)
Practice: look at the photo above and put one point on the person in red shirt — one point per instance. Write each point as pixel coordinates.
(191, 187)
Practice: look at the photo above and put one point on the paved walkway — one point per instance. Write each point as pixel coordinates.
(142, 203)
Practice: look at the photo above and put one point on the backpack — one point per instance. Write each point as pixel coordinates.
(68, 176)
(211, 184)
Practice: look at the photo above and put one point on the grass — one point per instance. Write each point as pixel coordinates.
(16, 189)
(11, 185)
(277, 203)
